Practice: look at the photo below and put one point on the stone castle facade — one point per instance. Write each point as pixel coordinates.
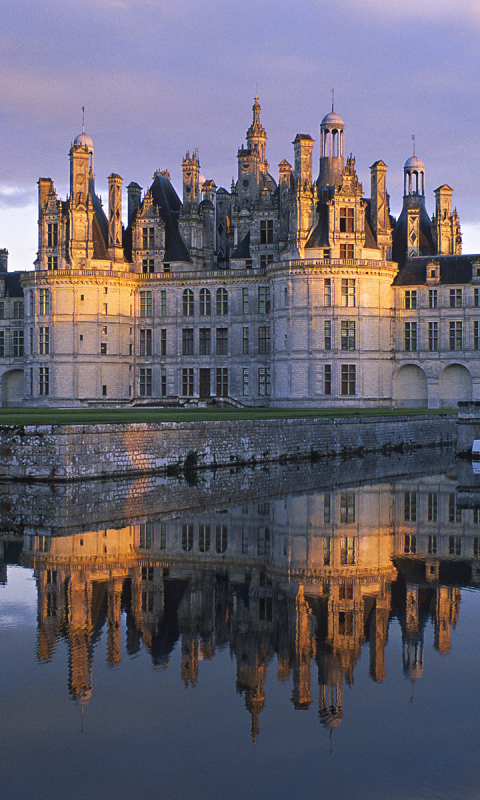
(300, 292)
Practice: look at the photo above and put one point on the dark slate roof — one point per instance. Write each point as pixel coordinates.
(169, 205)
(12, 284)
(243, 248)
(399, 238)
(100, 229)
(319, 237)
(453, 270)
(370, 240)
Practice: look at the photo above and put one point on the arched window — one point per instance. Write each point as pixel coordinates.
(222, 301)
(205, 303)
(221, 538)
(187, 303)
(204, 538)
(187, 537)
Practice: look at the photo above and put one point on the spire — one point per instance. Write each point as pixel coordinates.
(83, 119)
(256, 134)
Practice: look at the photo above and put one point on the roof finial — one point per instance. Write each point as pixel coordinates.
(83, 119)
(333, 98)
(413, 140)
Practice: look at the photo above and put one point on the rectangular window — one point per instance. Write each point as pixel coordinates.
(187, 342)
(148, 265)
(163, 382)
(327, 550)
(346, 251)
(263, 541)
(266, 231)
(327, 508)
(264, 389)
(266, 260)
(187, 303)
(205, 303)
(222, 382)
(145, 382)
(432, 298)
(410, 543)
(327, 292)
(245, 342)
(163, 302)
(346, 220)
(18, 309)
(454, 512)
(476, 335)
(221, 344)
(433, 336)
(456, 298)
(32, 341)
(476, 297)
(187, 382)
(347, 550)
(17, 343)
(43, 341)
(410, 338)
(264, 299)
(2, 309)
(145, 342)
(455, 546)
(44, 381)
(432, 506)
(105, 308)
(148, 238)
(432, 545)
(263, 340)
(52, 262)
(146, 535)
(204, 538)
(104, 390)
(327, 379)
(44, 301)
(2, 343)
(347, 508)
(52, 234)
(348, 335)
(456, 335)
(411, 298)
(104, 330)
(245, 382)
(163, 342)
(204, 342)
(348, 292)
(245, 301)
(410, 506)
(327, 332)
(348, 379)
(145, 304)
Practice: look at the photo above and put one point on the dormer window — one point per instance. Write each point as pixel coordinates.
(346, 220)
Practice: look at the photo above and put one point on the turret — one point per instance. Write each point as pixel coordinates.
(191, 173)
(115, 248)
(332, 153)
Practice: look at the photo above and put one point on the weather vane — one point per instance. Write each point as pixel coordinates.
(83, 119)
(333, 97)
(413, 140)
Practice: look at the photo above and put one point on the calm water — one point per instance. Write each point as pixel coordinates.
(306, 632)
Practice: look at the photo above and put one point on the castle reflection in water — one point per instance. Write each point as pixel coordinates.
(303, 580)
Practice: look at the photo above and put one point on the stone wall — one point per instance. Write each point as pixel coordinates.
(78, 452)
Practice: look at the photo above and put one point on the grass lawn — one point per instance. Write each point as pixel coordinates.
(93, 416)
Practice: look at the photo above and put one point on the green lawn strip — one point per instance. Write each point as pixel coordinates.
(96, 416)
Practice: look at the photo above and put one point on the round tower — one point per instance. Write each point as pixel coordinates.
(414, 177)
(332, 153)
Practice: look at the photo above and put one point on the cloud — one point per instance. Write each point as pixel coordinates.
(16, 197)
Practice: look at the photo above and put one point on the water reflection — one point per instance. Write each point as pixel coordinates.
(304, 579)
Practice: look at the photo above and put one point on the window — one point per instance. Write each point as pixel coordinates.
(204, 538)
(221, 345)
(44, 381)
(52, 262)
(187, 536)
(348, 292)
(410, 543)
(327, 292)
(204, 341)
(348, 334)
(148, 238)
(2, 343)
(410, 506)
(52, 234)
(221, 538)
(263, 340)
(245, 342)
(347, 508)
(148, 265)
(205, 308)
(145, 382)
(454, 545)
(266, 260)
(245, 382)
(104, 330)
(432, 298)
(476, 297)
(347, 550)
(18, 309)
(432, 505)
(105, 308)
(411, 298)
(43, 341)
(346, 251)
(104, 390)
(410, 339)
(145, 304)
(432, 545)
(187, 382)
(266, 231)
(163, 302)
(327, 508)
(222, 382)
(166, 267)
(263, 541)
(456, 335)
(2, 309)
(327, 550)
(17, 343)
(163, 342)
(187, 303)
(44, 301)
(348, 379)
(328, 334)
(222, 301)
(346, 220)
(476, 335)
(163, 382)
(327, 379)
(433, 336)
(264, 381)
(145, 342)
(264, 299)
(455, 298)
(244, 301)
(454, 512)
(187, 342)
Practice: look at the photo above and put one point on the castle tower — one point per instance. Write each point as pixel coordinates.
(115, 248)
(3, 260)
(81, 187)
(446, 224)
(332, 150)
(134, 192)
(257, 136)
(191, 173)
(379, 208)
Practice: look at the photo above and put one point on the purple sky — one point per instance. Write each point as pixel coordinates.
(159, 77)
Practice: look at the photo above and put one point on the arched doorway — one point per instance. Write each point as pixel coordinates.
(455, 384)
(410, 387)
(12, 388)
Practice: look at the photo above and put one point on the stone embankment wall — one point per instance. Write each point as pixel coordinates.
(79, 452)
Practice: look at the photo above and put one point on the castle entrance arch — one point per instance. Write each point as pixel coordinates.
(12, 388)
(455, 384)
(410, 387)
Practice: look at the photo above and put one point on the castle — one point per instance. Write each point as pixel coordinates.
(296, 293)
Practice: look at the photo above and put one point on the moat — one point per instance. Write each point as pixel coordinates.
(288, 631)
